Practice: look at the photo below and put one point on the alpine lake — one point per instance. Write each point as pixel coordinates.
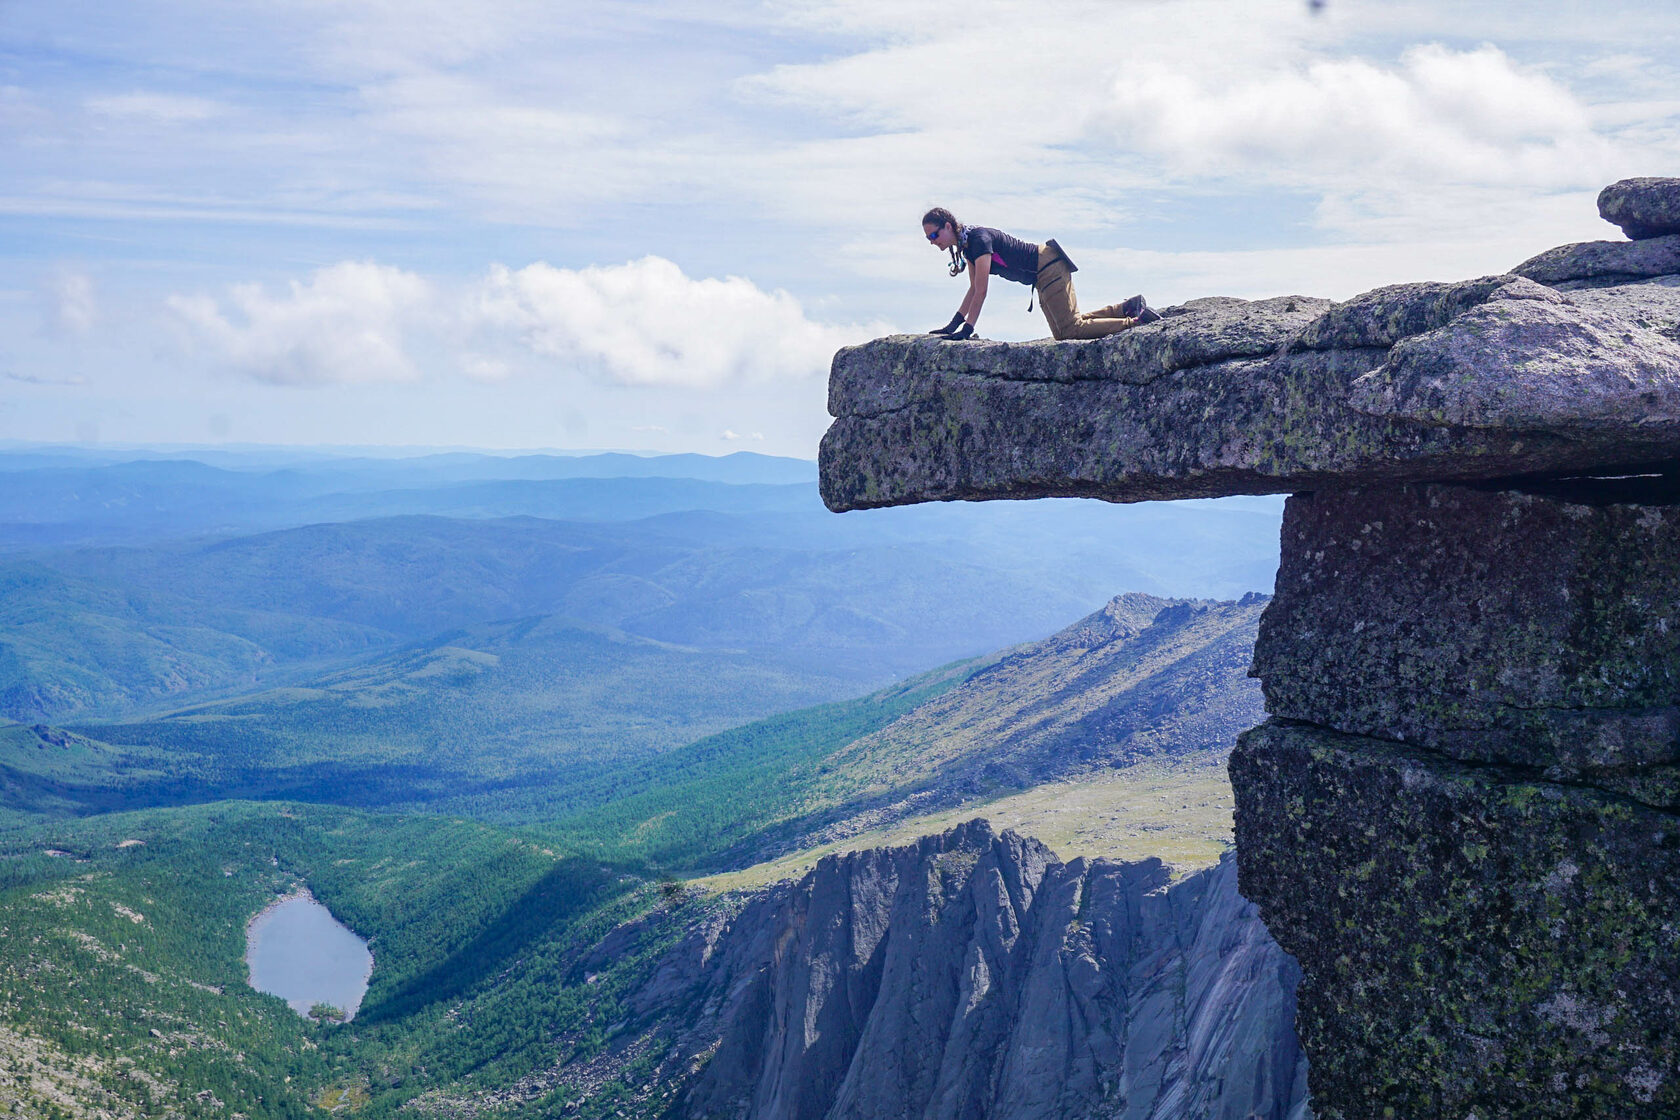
(297, 950)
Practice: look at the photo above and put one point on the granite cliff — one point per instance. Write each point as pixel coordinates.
(971, 975)
(1461, 816)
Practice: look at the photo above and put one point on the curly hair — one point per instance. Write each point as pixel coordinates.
(939, 216)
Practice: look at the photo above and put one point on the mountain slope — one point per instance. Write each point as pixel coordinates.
(1144, 679)
(483, 714)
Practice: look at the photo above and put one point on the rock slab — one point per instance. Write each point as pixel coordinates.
(1483, 379)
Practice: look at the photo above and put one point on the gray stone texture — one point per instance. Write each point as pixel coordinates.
(1604, 261)
(1525, 365)
(972, 975)
(1490, 625)
(1644, 208)
(1473, 941)
(1482, 379)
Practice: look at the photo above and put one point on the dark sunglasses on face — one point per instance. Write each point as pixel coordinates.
(934, 236)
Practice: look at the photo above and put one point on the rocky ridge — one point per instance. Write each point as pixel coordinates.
(974, 975)
(1142, 679)
(1460, 818)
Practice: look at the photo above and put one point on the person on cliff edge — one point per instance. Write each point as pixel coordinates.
(984, 252)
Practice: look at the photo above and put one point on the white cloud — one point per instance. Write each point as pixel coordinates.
(647, 323)
(644, 323)
(1438, 115)
(346, 324)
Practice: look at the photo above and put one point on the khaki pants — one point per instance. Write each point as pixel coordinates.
(1061, 306)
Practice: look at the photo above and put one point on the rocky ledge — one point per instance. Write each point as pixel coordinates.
(1569, 363)
(1463, 815)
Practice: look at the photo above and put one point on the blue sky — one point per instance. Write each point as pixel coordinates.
(533, 225)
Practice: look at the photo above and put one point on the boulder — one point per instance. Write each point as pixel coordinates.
(1528, 365)
(1647, 207)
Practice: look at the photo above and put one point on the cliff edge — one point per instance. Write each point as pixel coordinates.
(1461, 816)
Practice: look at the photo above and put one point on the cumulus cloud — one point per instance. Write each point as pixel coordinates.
(347, 323)
(644, 323)
(648, 323)
(1436, 115)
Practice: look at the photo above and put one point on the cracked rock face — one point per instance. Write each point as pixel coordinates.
(1461, 818)
(972, 975)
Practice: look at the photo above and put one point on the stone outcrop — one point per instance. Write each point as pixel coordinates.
(1484, 379)
(1461, 817)
(1644, 208)
(972, 975)
(1492, 626)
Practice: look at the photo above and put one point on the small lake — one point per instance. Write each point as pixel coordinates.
(298, 951)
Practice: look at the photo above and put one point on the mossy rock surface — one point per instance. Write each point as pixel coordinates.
(1473, 941)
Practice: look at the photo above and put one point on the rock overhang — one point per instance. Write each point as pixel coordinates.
(1570, 364)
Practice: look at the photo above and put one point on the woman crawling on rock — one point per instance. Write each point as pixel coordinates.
(985, 252)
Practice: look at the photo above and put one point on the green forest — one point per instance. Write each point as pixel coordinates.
(122, 942)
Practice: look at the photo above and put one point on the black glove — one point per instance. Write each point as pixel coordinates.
(965, 332)
(956, 321)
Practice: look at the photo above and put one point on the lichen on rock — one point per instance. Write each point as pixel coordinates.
(1474, 940)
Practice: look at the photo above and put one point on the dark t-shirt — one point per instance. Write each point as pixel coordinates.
(1012, 258)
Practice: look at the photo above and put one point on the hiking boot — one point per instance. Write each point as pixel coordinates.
(1138, 308)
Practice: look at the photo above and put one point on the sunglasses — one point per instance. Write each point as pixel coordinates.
(934, 236)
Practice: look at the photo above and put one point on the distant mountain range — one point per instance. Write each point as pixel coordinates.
(197, 603)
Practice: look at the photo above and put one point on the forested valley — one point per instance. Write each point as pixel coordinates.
(519, 722)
